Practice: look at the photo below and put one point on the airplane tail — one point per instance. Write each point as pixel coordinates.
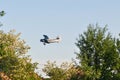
(58, 38)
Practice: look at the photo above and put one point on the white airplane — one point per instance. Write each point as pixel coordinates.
(46, 40)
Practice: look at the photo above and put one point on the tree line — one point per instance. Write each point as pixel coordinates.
(98, 56)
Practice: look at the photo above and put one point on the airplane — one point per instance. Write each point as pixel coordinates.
(46, 40)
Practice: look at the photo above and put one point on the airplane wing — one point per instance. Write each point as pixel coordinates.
(46, 37)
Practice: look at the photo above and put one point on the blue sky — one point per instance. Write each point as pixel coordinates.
(67, 18)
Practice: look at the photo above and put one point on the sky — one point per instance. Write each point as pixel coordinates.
(67, 18)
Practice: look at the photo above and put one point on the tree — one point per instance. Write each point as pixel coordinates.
(2, 13)
(13, 59)
(53, 71)
(14, 63)
(65, 71)
(99, 54)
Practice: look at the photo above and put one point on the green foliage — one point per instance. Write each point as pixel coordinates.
(53, 71)
(2, 13)
(13, 59)
(99, 54)
(65, 71)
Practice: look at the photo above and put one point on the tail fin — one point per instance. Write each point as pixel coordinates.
(58, 38)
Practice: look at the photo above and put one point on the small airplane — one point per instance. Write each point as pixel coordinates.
(46, 40)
